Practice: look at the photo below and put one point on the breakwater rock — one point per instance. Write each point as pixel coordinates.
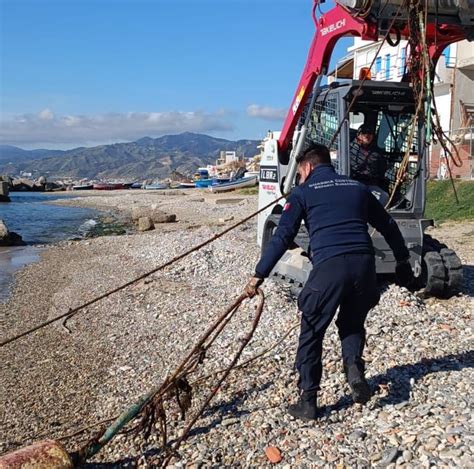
(4, 190)
(9, 238)
(28, 185)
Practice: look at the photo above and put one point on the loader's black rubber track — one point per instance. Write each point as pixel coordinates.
(435, 274)
(454, 272)
(432, 244)
(443, 272)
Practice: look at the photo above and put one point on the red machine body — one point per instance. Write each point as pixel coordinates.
(337, 23)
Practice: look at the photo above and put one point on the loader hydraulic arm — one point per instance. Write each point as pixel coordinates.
(330, 27)
(340, 21)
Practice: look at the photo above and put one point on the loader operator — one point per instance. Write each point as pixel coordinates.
(336, 211)
(367, 163)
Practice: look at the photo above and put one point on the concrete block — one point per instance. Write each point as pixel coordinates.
(223, 201)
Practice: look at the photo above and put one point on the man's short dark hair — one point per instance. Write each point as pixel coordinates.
(315, 154)
(365, 129)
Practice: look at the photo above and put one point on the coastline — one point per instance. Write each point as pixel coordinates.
(41, 232)
(13, 259)
(191, 206)
(55, 382)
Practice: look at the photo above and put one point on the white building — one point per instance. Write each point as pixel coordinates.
(226, 157)
(454, 95)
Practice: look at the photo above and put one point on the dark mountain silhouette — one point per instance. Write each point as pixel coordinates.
(144, 158)
(11, 154)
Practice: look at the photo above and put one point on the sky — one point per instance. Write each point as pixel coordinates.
(87, 72)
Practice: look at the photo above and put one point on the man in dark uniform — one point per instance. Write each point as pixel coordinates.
(368, 165)
(336, 211)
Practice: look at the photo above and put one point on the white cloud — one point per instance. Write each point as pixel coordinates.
(47, 128)
(266, 112)
(46, 115)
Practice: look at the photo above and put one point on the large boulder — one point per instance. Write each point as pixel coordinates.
(145, 224)
(156, 215)
(22, 185)
(4, 189)
(3, 230)
(9, 238)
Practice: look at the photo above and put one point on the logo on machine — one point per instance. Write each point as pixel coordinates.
(298, 99)
(268, 174)
(333, 27)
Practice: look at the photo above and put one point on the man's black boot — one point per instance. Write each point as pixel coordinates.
(305, 408)
(360, 388)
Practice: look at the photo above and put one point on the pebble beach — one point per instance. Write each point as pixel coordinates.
(70, 376)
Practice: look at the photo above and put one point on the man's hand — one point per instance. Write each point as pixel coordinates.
(404, 273)
(252, 286)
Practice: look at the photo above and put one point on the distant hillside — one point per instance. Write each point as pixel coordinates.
(11, 154)
(144, 158)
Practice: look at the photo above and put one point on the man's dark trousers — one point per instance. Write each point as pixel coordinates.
(347, 281)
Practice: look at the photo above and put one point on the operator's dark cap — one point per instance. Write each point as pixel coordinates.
(365, 129)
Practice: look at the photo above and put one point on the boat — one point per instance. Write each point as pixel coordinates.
(202, 183)
(232, 185)
(82, 187)
(251, 173)
(201, 173)
(155, 187)
(108, 186)
(187, 185)
(136, 185)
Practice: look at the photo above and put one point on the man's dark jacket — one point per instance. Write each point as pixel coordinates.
(336, 211)
(367, 164)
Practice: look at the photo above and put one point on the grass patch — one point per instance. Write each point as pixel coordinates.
(440, 201)
(441, 204)
(248, 191)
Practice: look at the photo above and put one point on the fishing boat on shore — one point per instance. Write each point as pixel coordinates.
(109, 186)
(155, 187)
(251, 174)
(187, 185)
(203, 183)
(82, 187)
(232, 185)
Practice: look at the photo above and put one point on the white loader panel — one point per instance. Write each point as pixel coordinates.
(270, 174)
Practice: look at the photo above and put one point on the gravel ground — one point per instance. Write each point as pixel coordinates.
(419, 352)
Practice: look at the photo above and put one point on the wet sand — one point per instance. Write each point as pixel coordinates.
(13, 259)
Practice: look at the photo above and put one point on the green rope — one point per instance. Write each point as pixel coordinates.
(428, 96)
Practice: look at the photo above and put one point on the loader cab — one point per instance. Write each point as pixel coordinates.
(388, 108)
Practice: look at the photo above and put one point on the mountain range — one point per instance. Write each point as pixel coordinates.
(146, 158)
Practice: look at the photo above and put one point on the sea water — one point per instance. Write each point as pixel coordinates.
(39, 223)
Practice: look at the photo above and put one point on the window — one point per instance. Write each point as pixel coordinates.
(378, 65)
(387, 66)
(403, 61)
(393, 133)
(324, 123)
(449, 57)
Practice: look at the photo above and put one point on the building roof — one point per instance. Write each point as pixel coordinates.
(344, 68)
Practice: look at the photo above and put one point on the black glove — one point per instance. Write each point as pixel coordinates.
(252, 286)
(404, 273)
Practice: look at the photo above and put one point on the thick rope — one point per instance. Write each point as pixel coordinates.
(364, 79)
(244, 364)
(77, 309)
(151, 406)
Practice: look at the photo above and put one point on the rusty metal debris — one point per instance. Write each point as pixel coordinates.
(175, 391)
